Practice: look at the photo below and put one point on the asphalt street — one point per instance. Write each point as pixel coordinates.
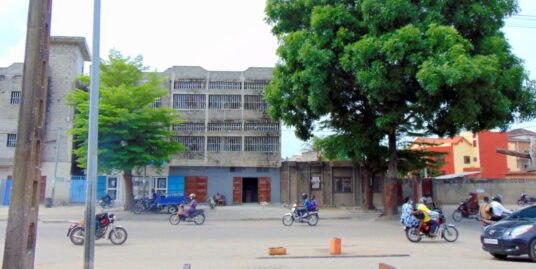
(239, 237)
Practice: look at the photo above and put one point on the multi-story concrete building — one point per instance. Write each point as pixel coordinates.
(233, 145)
(66, 62)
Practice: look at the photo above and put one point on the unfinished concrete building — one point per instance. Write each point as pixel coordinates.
(233, 146)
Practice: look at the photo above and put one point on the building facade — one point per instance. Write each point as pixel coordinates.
(470, 152)
(66, 62)
(233, 146)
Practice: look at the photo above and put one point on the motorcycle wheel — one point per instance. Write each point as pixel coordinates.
(199, 219)
(313, 220)
(450, 234)
(172, 209)
(118, 236)
(413, 235)
(174, 219)
(457, 215)
(77, 236)
(520, 202)
(138, 208)
(287, 220)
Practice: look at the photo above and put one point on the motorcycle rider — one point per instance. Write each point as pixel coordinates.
(472, 203)
(306, 206)
(497, 209)
(192, 205)
(424, 209)
(107, 199)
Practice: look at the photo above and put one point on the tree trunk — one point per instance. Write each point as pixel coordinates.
(127, 177)
(368, 202)
(391, 207)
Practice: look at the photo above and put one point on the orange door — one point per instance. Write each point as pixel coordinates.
(197, 185)
(237, 190)
(265, 189)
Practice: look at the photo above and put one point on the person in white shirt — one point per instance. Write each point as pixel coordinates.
(497, 209)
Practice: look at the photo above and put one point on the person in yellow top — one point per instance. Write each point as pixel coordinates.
(424, 209)
(485, 209)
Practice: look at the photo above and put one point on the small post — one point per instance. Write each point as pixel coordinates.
(335, 248)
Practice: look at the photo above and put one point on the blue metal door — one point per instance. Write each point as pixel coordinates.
(7, 195)
(176, 185)
(78, 190)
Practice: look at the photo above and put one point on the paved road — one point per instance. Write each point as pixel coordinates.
(238, 237)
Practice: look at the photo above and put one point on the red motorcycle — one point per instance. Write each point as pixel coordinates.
(117, 234)
(523, 200)
(463, 211)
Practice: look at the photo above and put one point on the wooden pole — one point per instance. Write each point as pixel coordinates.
(21, 231)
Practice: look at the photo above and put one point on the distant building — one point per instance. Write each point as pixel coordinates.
(470, 152)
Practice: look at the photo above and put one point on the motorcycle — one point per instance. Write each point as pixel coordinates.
(463, 212)
(197, 217)
(106, 203)
(523, 200)
(444, 230)
(311, 218)
(117, 234)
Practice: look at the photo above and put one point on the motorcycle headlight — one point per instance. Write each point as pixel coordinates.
(519, 230)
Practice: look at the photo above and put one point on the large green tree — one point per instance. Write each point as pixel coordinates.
(395, 67)
(132, 133)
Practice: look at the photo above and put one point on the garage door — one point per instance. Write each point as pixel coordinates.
(197, 185)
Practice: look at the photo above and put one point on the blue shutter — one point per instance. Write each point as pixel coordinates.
(101, 186)
(176, 185)
(7, 194)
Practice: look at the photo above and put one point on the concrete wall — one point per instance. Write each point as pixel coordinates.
(296, 179)
(220, 179)
(452, 191)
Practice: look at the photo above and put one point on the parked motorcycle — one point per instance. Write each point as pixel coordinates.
(106, 203)
(198, 217)
(149, 205)
(463, 212)
(444, 230)
(289, 218)
(117, 234)
(523, 200)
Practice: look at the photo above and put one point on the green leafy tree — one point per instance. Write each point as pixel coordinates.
(132, 133)
(395, 67)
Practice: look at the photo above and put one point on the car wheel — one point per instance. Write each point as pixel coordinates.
(532, 250)
(498, 256)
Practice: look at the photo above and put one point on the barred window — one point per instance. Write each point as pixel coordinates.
(189, 101)
(189, 126)
(255, 84)
(157, 102)
(193, 143)
(255, 102)
(15, 97)
(343, 184)
(11, 140)
(214, 144)
(225, 85)
(232, 144)
(260, 126)
(189, 84)
(262, 143)
(224, 101)
(226, 126)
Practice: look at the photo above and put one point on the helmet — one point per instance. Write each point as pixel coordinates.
(304, 195)
(423, 200)
(192, 195)
(498, 198)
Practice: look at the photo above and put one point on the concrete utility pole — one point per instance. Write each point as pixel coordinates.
(531, 155)
(93, 141)
(21, 232)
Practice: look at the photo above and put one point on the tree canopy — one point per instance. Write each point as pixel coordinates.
(132, 132)
(380, 69)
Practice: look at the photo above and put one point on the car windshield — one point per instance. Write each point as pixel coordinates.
(528, 214)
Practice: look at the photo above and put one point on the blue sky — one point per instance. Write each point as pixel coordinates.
(214, 34)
